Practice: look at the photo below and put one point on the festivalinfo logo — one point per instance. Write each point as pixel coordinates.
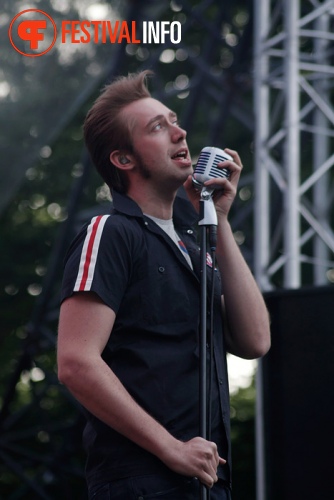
(33, 32)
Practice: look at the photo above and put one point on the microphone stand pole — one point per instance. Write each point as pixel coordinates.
(208, 217)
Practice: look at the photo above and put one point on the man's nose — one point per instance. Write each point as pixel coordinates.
(178, 133)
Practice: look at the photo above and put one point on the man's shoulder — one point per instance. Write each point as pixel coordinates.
(111, 221)
(101, 229)
(118, 221)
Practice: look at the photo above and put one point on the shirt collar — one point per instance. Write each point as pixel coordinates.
(183, 212)
(122, 203)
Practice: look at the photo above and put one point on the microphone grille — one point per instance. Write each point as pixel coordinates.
(206, 166)
(203, 161)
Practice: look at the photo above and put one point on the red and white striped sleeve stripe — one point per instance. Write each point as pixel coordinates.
(89, 254)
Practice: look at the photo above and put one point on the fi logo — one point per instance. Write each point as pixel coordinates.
(32, 32)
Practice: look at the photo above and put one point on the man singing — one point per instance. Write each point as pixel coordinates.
(128, 344)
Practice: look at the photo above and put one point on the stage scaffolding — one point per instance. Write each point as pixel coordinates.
(293, 105)
(293, 176)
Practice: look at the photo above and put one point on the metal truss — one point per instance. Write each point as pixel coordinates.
(293, 88)
(293, 106)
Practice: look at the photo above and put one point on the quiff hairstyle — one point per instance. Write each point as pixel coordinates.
(105, 130)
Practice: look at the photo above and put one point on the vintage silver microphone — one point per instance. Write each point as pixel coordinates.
(206, 168)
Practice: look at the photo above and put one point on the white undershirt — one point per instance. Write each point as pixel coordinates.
(168, 227)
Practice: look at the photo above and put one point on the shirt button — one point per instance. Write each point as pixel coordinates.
(146, 223)
(161, 269)
(221, 381)
(190, 231)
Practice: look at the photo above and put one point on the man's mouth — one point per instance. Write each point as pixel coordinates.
(182, 154)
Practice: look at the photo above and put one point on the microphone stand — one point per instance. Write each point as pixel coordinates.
(208, 218)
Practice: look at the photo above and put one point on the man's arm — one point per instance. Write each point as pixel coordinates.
(247, 320)
(247, 329)
(85, 325)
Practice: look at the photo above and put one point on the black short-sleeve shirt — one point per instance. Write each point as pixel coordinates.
(139, 272)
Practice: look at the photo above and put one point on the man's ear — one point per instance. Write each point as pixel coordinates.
(123, 161)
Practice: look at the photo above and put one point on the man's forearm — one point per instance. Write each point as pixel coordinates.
(98, 389)
(245, 310)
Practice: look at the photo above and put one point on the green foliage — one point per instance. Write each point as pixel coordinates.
(40, 439)
(243, 443)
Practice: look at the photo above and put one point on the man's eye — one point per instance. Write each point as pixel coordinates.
(157, 126)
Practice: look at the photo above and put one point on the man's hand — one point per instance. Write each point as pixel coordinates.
(195, 458)
(225, 189)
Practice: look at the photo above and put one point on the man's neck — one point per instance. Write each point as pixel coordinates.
(158, 205)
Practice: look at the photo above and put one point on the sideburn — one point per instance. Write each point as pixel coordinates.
(143, 171)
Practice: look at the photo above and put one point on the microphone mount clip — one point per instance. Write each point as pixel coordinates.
(208, 214)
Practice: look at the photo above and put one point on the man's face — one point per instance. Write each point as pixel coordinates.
(159, 144)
